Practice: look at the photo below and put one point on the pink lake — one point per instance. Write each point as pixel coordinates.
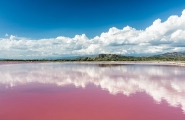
(81, 91)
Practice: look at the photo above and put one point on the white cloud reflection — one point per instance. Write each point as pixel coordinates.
(160, 82)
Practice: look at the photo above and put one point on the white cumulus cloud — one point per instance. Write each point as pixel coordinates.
(160, 37)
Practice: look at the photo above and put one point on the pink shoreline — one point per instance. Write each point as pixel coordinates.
(138, 62)
(18, 62)
(104, 62)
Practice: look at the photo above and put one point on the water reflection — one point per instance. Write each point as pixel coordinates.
(160, 82)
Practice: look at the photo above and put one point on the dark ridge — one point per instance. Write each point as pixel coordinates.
(172, 55)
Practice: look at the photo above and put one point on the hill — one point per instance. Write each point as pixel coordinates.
(175, 56)
(171, 55)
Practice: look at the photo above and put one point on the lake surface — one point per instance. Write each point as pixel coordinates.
(81, 91)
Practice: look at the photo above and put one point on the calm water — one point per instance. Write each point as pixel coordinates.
(76, 91)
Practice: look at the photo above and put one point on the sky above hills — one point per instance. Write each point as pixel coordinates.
(62, 28)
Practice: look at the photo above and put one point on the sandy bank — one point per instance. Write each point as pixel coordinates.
(19, 62)
(175, 63)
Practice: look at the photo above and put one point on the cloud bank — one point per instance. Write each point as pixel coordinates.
(160, 82)
(160, 37)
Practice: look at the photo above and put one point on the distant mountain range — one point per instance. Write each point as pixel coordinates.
(174, 56)
(171, 55)
(165, 55)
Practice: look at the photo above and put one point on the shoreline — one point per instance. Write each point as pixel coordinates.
(173, 63)
(21, 62)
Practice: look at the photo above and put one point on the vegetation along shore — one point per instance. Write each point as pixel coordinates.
(175, 58)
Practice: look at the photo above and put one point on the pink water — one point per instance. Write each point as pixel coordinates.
(64, 91)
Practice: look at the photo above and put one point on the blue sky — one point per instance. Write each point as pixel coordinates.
(30, 20)
(52, 18)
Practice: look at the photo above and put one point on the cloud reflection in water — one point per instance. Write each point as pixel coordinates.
(160, 82)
